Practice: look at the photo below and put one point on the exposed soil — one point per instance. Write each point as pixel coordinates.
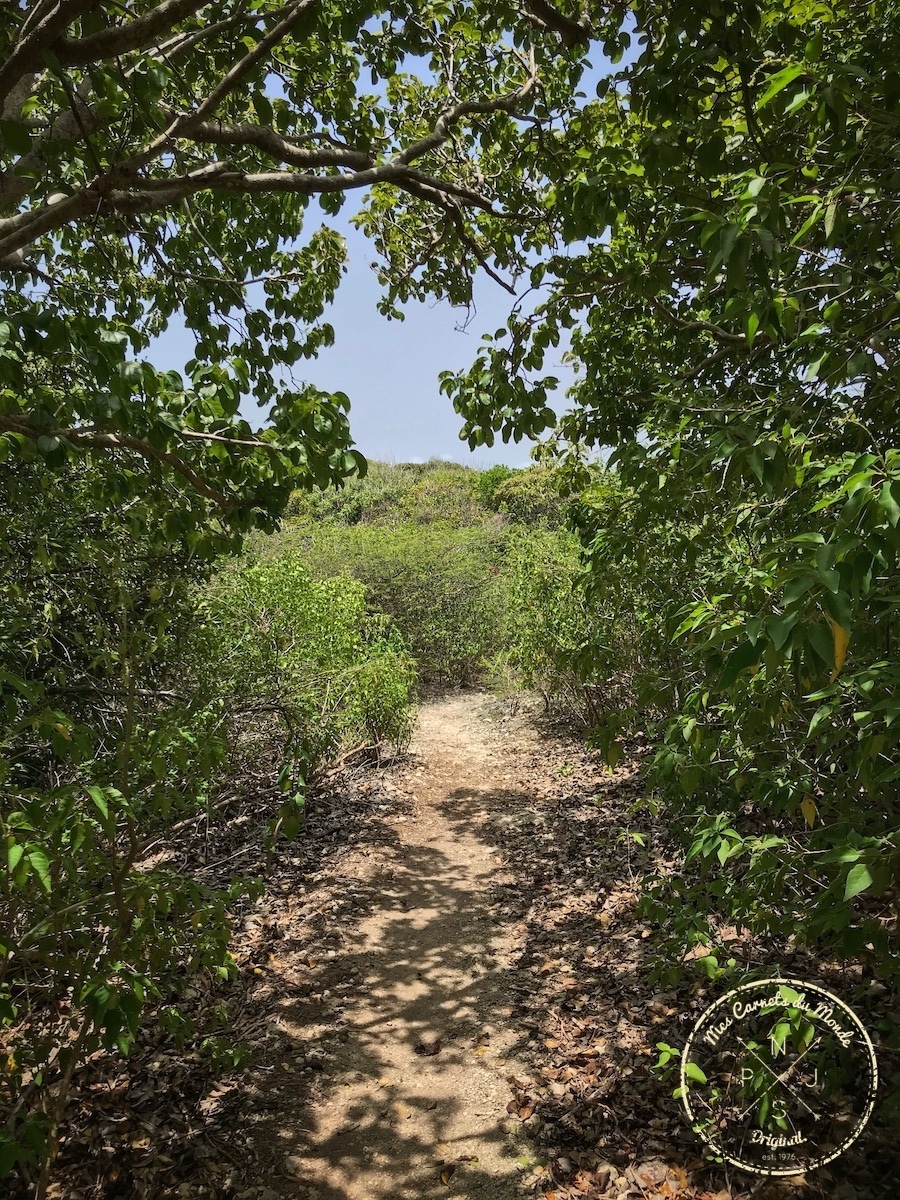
(489, 1025)
(416, 1098)
(446, 992)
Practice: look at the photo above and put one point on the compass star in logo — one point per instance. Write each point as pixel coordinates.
(779, 1077)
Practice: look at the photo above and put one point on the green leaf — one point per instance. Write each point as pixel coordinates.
(889, 500)
(98, 796)
(859, 878)
(779, 628)
(41, 867)
(746, 655)
(15, 136)
(692, 1071)
(778, 82)
(263, 107)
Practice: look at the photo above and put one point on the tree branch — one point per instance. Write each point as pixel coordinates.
(122, 39)
(295, 14)
(117, 441)
(282, 149)
(720, 334)
(571, 32)
(467, 108)
(38, 32)
(123, 190)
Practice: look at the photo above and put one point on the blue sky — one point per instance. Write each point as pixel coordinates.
(390, 369)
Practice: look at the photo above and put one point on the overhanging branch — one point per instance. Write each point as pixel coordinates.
(119, 441)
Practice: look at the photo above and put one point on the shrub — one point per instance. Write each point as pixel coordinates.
(487, 483)
(310, 648)
(536, 497)
(130, 692)
(574, 648)
(442, 587)
(418, 493)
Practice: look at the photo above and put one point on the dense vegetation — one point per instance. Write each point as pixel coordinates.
(713, 231)
(475, 569)
(139, 694)
(734, 313)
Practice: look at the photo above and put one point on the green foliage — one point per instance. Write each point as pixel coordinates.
(487, 483)
(441, 587)
(730, 296)
(402, 493)
(536, 498)
(551, 623)
(161, 162)
(102, 741)
(127, 688)
(473, 596)
(308, 648)
(443, 495)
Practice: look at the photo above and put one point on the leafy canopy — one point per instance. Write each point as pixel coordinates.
(160, 159)
(731, 301)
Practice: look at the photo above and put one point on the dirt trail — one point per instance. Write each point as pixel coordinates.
(417, 1107)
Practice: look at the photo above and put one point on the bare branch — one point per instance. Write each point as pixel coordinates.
(724, 353)
(180, 42)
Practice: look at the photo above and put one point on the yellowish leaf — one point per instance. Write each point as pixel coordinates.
(809, 810)
(841, 642)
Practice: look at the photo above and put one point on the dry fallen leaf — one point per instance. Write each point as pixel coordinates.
(429, 1047)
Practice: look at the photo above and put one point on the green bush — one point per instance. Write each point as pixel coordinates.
(389, 493)
(309, 647)
(104, 739)
(536, 497)
(766, 615)
(488, 481)
(132, 692)
(442, 587)
(443, 495)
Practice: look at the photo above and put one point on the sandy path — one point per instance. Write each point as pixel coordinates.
(417, 1106)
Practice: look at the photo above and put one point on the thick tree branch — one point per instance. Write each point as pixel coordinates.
(571, 32)
(232, 78)
(282, 149)
(122, 39)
